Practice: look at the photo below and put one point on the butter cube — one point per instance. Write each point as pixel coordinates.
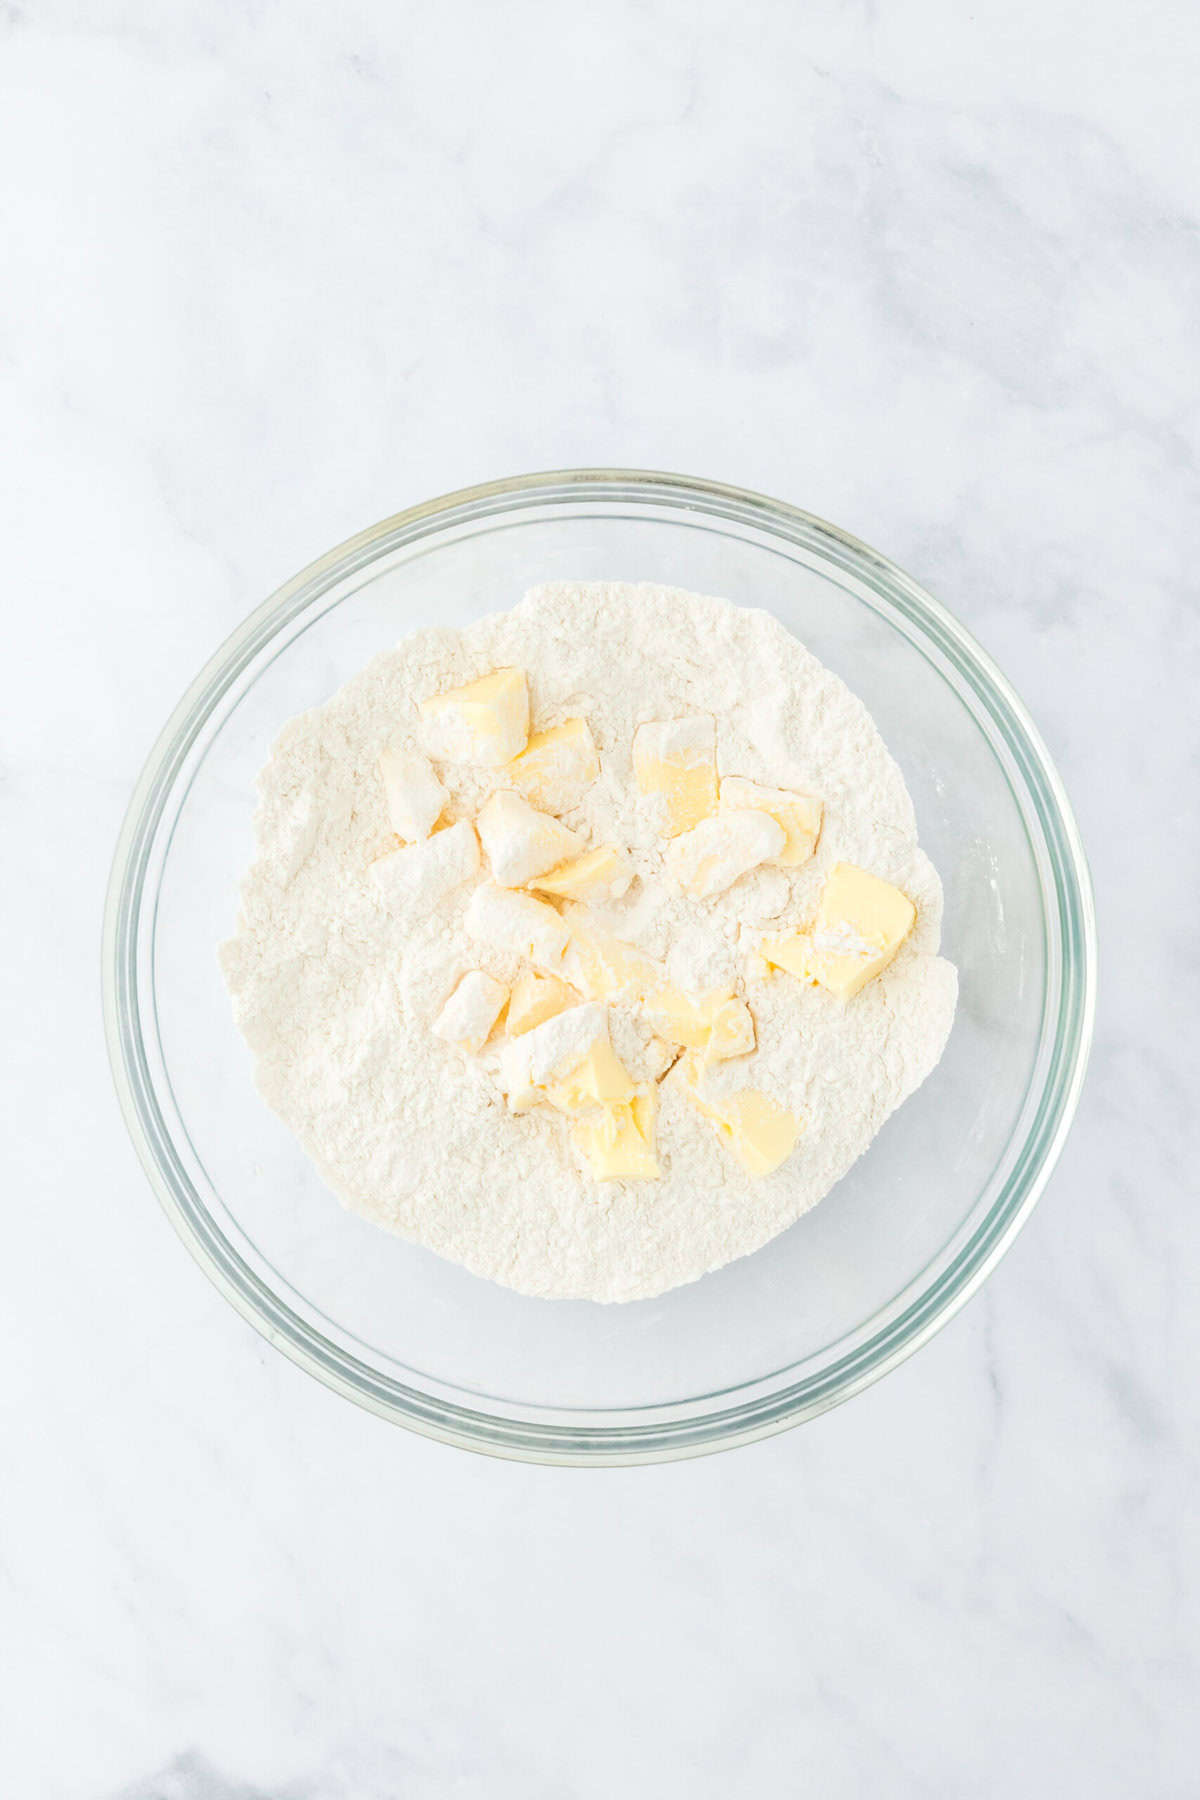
(536, 998)
(415, 878)
(719, 1025)
(549, 1052)
(471, 1011)
(798, 814)
(790, 952)
(760, 1133)
(755, 967)
(681, 1020)
(515, 924)
(557, 1046)
(597, 875)
(557, 766)
(677, 760)
(861, 922)
(486, 722)
(514, 1079)
(617, 1143)
(600, 1078)
(603, 967)
(415, 797)
(568, 1060)
(520, 841)
(719, 851)
(732, 1031)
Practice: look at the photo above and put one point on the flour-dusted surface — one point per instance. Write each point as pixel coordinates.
(336, 993)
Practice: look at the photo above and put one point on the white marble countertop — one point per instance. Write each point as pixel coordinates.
(272, 272)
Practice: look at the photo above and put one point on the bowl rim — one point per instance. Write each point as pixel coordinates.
(573, 1438)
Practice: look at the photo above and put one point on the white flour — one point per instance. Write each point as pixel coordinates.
(336, 997)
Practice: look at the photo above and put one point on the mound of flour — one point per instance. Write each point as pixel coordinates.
(335, 998)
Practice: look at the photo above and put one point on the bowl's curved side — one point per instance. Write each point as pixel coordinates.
(651, 1433)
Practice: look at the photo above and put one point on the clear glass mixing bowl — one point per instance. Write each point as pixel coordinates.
(850, 1289)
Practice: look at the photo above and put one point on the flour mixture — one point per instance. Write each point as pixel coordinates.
(591, 945)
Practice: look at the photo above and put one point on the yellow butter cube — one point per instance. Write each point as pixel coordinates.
(731, 1032)
(529, 1065)
(618, 1142)
(486, 722)
(719, 1025)
(789, 952)
(415, 796)
(557, 766)
(515, 1078)
(598, 1079)
(676, 759)
(680, 1019)
(597, 875)
(521, 842)
(468, 1016)
(536, 998)
(521, 1099)
(798, 814)
(755, 967)
(759, 1132)
(515, 924)
(719, 851)
(603, 967)
(861, 922)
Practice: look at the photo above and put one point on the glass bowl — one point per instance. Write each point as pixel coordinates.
(851, 1288)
